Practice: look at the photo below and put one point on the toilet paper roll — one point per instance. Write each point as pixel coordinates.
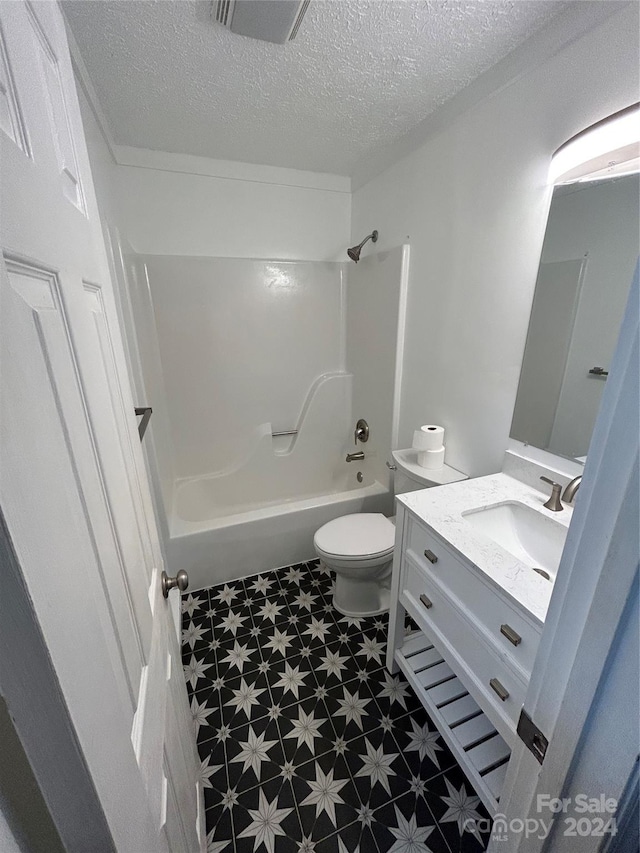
(431, 459)
(428, 437)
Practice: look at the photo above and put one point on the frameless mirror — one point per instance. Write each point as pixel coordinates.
(588, 258)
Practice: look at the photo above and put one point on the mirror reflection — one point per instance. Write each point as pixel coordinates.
(588, 258)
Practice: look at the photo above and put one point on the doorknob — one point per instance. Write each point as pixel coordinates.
(181, 580)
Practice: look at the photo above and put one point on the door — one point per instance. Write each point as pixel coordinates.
(73, 488)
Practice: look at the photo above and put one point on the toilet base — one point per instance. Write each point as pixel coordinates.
(361, 598)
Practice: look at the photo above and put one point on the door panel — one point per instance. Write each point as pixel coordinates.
(181, 784)
(104, 404)
(11, 120)
(150, 721)
(73, 486)
(47, 516)
(49, 370)
(59, 119)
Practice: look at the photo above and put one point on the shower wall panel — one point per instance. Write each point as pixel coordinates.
(376, 293)
(241, 344)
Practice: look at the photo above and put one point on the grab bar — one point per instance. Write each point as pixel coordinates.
(284, 432)
(146, 412)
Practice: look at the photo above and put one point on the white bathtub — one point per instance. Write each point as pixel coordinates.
(218, 532)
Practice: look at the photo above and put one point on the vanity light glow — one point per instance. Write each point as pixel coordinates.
(603, 139)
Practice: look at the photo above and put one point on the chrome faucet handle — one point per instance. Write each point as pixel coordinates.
(361, 432)
(554, 503)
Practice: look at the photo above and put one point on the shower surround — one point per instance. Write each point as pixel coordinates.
(235, 351)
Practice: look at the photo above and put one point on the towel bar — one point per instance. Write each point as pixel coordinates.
(146, 412)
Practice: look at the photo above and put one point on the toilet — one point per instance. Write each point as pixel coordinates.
(359, 549)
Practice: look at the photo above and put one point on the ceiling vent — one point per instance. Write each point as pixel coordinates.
(277, 21)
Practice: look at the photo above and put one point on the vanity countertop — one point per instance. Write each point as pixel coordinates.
(441, 508)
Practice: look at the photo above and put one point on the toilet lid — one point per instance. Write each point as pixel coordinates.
(363, 534)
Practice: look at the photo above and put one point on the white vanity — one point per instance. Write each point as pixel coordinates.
(464, 565)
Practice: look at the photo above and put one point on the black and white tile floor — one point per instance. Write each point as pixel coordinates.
(307, 744)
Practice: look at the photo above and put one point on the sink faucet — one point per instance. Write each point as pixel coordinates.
(572, 488)
(355, 457)
(554, 503)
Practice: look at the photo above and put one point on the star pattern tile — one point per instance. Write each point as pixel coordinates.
(307, 744)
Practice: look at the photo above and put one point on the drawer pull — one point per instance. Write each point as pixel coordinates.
(511, 635)
(430, 556)
(426, 601)
(502, 691)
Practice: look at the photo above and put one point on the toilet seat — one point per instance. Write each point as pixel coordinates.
(360, 537)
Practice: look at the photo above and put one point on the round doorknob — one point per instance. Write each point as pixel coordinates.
(181, 580)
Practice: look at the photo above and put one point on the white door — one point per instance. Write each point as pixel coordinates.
(73, 489)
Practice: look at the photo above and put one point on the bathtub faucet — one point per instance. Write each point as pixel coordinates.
(355, 457)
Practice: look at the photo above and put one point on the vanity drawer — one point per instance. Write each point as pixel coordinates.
(504, 625)
(486, 674)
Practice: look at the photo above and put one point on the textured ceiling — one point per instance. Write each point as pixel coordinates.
(359, 75)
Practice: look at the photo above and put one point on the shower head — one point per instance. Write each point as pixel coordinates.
(354, 251)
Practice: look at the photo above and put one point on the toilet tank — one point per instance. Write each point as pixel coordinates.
(402, 483)
(409, 476)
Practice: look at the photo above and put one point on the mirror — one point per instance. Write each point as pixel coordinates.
(588, 259)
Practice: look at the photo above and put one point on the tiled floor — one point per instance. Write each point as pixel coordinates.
(307, 743)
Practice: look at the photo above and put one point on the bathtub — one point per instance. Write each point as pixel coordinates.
(219, 532)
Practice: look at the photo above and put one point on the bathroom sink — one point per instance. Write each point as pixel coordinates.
(524, 532)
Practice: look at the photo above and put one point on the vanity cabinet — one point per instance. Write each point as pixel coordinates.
(470, 661)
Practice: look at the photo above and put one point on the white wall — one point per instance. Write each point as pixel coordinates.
(601, 221)
(473, 202)
(241, 344)
(258, 216)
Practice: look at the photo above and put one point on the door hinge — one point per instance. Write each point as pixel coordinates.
(531, 736)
